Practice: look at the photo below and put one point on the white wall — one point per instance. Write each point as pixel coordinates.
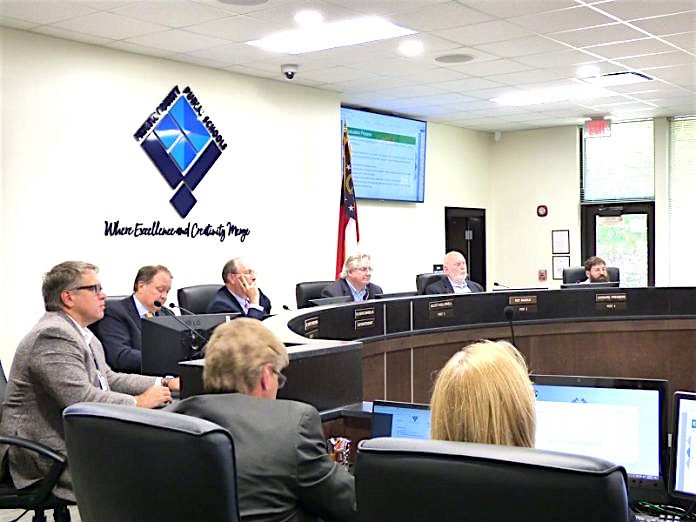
(69, 162)
(531, 168)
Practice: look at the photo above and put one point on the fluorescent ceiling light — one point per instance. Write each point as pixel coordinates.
(411, 47)
(308, 18)
(328, 36)
(572, 92)
(621, 78)
(585, 71)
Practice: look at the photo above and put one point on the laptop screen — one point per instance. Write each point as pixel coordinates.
(683, 480)
(400, 419)
(619, 420)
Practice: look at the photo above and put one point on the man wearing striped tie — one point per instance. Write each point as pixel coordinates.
(240, 294)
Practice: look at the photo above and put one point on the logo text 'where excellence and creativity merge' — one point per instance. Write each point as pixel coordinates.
(182, 143)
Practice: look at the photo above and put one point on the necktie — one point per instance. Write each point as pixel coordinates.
(246, 306)
(149, 314)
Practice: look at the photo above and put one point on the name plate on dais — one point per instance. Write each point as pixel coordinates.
(364, 323)
(610, 302)
(311, 327)
(364, 317)
(441, 309)
(523, 303)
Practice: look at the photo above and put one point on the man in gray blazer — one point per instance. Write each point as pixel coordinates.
(283, 470)
(59, 363)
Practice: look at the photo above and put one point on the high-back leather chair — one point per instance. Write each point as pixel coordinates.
(423, 280)
(196, 298)
(309, 290)
(138, 464)
(408, 480)
(576, 274)
(37, 497)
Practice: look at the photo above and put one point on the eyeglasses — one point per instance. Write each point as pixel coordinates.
(282, 379)
(96, 289)
(364, 268)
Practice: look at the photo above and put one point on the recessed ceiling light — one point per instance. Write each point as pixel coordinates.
(329, 36)
(588, 70)
(620, 78)
(308, 18)
(454, 58)
(243, 2)
(573, 92)
(411, 47)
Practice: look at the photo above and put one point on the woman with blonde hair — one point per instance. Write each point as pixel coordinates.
(483, 394)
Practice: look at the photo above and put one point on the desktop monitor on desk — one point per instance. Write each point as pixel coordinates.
(168, 340)
(682, 477)
(619, 420)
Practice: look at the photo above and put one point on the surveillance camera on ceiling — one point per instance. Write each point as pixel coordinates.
(289, 70)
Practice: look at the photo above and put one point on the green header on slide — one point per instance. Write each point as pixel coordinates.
(383, 136)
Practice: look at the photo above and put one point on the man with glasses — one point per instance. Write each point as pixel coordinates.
(283, 469)
(240, 294)
(456, 280)
(355, 280)
(59, 363)
(120, 331)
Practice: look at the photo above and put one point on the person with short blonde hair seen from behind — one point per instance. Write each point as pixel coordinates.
(484, 394)
(284, 472)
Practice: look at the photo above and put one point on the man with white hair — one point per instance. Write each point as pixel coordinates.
(456, 281)
(354, 281)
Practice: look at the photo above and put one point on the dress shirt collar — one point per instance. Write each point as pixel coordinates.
(140, 307)
(460, 288)
(357, 295)
(86, 333)
(243, 301)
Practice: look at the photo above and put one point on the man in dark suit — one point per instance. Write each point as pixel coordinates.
(240, 294)
(456, 281)
(120, 331)
(283, 470)
(59, 363)
(354, 281)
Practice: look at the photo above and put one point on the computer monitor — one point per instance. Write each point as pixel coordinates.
(321, 301)
(168, 340)
(585, 286)
(682, 477)
(619, 420)
(400, 419)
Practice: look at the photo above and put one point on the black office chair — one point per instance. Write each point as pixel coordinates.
(138, 464)
(423, 280)
(196, 298)
(576, 274)
(408, 480)
(309, 290)
(37, 497)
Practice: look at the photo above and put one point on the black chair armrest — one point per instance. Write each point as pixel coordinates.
(42, 491)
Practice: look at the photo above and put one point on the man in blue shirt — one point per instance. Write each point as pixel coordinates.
(456, 281)
(355, 280)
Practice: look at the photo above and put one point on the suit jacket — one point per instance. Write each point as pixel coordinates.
(120, 332)
(53, 368)
(284, 473)
(443, 286)
(224, 301)
(340, 287)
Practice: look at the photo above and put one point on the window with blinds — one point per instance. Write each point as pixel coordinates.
(682, 195)
(619, 167)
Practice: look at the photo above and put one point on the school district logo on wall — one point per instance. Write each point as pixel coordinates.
(182, 143)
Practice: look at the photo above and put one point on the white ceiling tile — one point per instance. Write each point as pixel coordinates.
(197, 60)
(513, 8)
(16, 23)
(683, 75)
(491, 67)
(231, 54)
(562, 20)
(685, 41)
(448, 99)
(176, 40)
(521, 47)
(526, 77)
(369, 84)
(109, 25)
(250, 71)
(238, 28)
(334, 74)
(435, 75)
(442, 16)
(138, 49)
(634, 48)
(172, 13)
(633, 9)
(409, 91)
(487, 94)
(70, 35)
(43, 12)
(394, 66)
(494, 31)
(601, 34)
(556, 59)
(468, 84)
(387, 7)
(283, 14)
(659, 60)
(670, 24)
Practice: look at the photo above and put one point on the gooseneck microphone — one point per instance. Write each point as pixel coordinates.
(185, 310)
(501, 285)
(510, 315)
(194, 333)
